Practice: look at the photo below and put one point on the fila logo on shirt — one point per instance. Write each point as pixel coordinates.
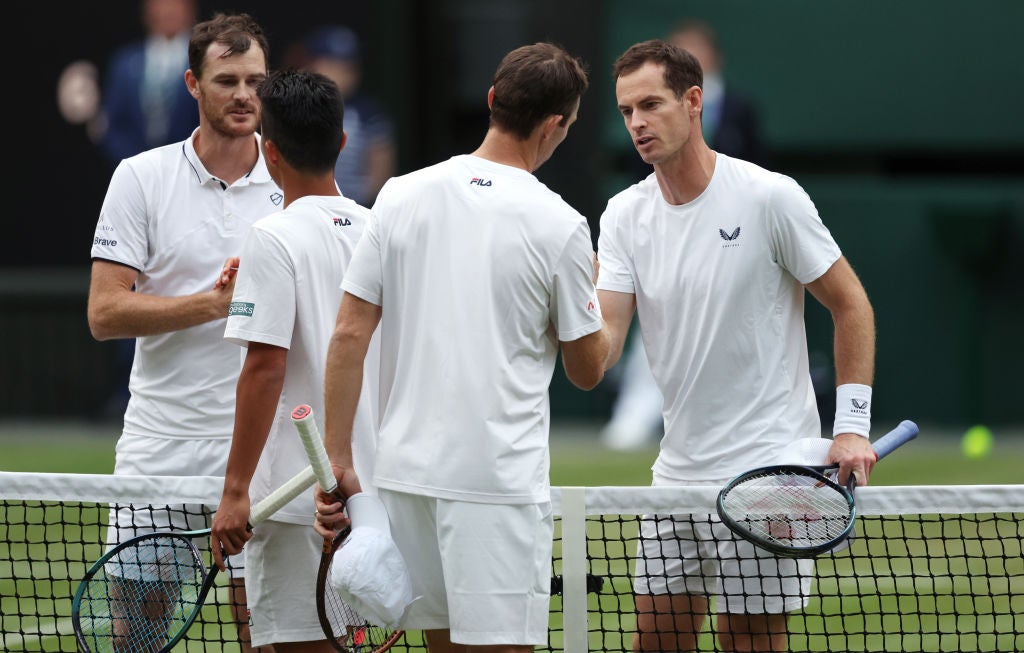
(730, 238)
(342, 222)
(479, 182)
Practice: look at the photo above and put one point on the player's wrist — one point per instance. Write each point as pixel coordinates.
(853, 410)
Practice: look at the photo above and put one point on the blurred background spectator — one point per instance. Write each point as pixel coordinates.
(368, 159)
(144, 97)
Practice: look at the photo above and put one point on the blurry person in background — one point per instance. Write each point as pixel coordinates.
(730, 119)
(145, 100)
(368, 159)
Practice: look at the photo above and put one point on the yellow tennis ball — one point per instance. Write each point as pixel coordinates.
(977, 442)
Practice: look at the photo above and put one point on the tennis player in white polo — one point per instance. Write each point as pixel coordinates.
(478, 274)
(714, 254)
(171, 218)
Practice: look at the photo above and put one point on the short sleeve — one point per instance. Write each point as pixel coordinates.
(263, 305)
(801, 243)
(364, 277)
(616, 271)
(574, 308)
(122, 232)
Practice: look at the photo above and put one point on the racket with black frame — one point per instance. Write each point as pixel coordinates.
(798, 511)
(142, 595)
(344, 628)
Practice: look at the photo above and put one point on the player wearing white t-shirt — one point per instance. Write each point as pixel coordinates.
(714, 254)
(283, 312)
(478, 275)
(169, 232)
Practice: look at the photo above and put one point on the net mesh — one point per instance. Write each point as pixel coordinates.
(931, 569)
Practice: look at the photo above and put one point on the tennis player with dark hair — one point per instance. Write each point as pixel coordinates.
(172, 219)
(283, 311)
(714, 254)
(479, 275)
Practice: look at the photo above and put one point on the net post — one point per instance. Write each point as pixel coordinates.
(574, 569)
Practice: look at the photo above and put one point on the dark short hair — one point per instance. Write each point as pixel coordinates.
(303, 114)
(681, 69)
(534, 82)
(236, 31)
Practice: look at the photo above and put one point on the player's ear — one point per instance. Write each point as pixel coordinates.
(490, 98)
(550, 124)
(694, 99)
(192, 83)
(344, 140)
(270, 151)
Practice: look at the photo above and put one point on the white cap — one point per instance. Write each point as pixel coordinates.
(368, 571)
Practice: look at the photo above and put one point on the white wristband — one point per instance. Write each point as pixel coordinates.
(853, 409)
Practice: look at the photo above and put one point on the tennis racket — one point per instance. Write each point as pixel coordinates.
(143, 595)
(798, 511)
(346, 630)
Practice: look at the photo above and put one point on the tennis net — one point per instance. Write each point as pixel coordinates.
(937, 568)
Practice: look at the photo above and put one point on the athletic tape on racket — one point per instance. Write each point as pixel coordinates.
(302, 416)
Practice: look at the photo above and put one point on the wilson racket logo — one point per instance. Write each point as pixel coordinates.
(244, 309)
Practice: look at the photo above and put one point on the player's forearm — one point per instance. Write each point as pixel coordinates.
(131, 314)
(343, 383)
(855, 343)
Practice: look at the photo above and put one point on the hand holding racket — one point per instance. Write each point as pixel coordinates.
(143, 594)
(345, 630)
(794, 510)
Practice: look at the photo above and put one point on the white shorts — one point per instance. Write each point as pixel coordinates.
(697, 554)
(281, 585)
(138, 455)
(480, 570)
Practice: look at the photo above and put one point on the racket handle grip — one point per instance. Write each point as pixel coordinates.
(313, 443)
(902, 434)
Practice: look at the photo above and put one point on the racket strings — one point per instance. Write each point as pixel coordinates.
(791, 509)
(143, 596)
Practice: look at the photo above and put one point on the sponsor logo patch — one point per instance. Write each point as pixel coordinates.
(241, 308)
(104, 241)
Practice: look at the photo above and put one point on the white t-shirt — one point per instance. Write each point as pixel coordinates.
(718, 285)
(480, 270)
(287, 294)
(167, 217)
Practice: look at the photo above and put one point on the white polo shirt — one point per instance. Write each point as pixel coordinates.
(720, 300)
(167, 217)
(480, 270)
(287, 294)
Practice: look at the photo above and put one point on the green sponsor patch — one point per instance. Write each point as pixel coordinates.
(241, 308)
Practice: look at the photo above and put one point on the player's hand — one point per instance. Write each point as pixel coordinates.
(330, 516)
(230, 529)
(226, 280)
(853, 453)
